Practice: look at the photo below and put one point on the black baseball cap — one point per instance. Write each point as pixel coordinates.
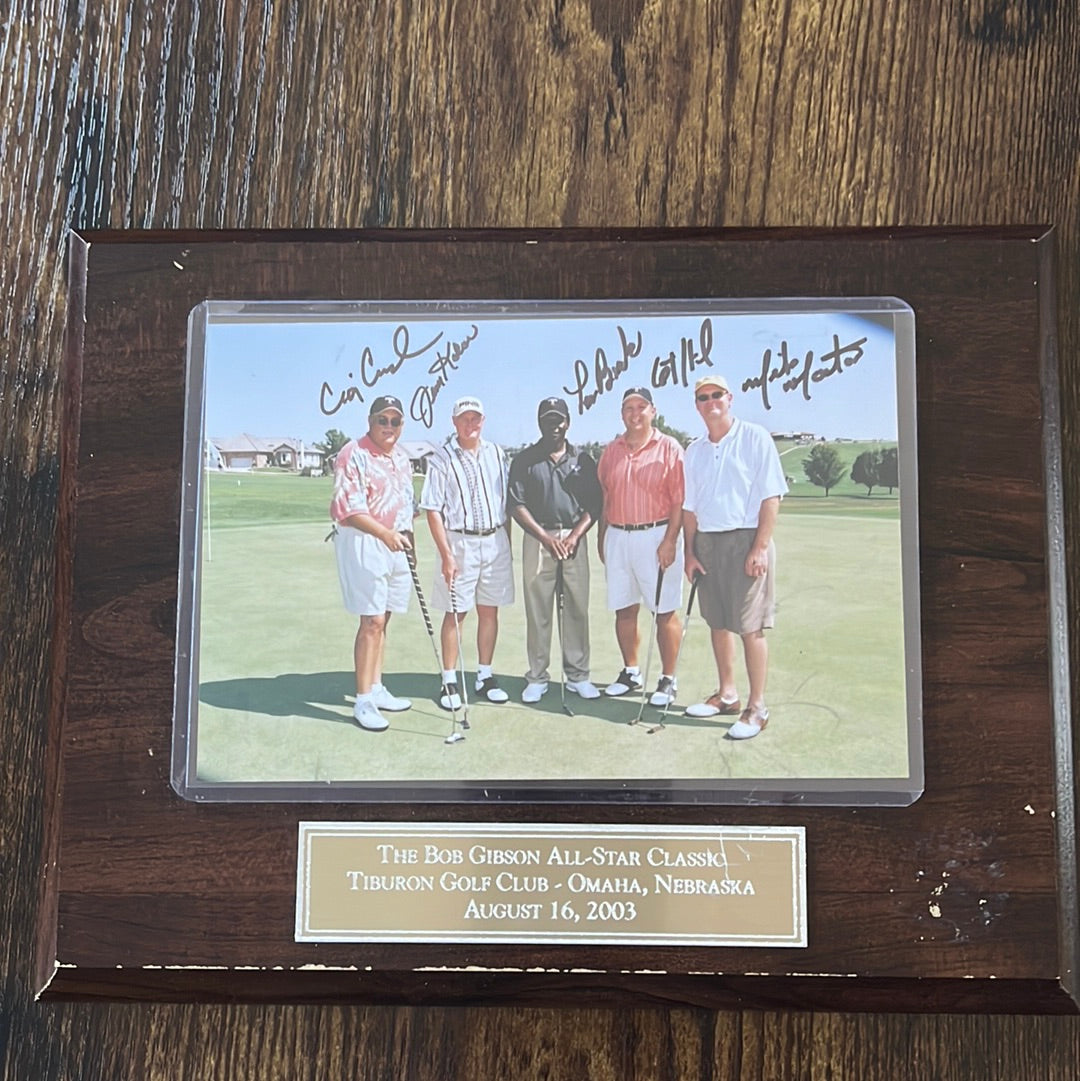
(638, 392)
(383, 403)
(553, 405)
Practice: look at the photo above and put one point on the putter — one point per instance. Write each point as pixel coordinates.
(686, 623)
(455, 736)
(559, 586)
(461, 659)
(652, 640)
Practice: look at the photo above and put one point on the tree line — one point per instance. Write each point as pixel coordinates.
(873, 468)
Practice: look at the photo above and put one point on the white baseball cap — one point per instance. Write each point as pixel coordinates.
(465, 405)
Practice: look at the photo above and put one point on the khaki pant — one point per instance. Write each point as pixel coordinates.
(538, 585)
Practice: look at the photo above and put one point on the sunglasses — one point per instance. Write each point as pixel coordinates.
(711, 397)
(388, 422)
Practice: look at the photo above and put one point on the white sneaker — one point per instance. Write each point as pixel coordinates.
(366, 715)
(383, 699)
(533, 692)
(583, 688)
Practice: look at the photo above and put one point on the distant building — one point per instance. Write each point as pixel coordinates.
(245, 451)
(418, 450)
(798, 437)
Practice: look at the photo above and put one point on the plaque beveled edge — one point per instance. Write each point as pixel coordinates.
(53, 774)
(957, 995)
(1065, 821)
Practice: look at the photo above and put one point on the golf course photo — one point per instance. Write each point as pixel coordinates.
(272, 685)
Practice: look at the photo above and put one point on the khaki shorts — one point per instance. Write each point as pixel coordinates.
(730, 599)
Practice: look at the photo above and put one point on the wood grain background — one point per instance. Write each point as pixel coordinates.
(132, 114)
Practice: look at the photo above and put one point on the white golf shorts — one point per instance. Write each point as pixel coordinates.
(373, 579)
(485, 573)
(631, 565)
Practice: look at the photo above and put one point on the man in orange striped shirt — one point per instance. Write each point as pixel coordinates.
(641, 472)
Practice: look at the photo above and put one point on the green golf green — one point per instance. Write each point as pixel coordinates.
(276, 682)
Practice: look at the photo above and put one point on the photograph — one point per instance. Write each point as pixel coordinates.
(625, 550)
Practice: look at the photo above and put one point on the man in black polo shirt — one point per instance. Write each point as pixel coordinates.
(555, 497)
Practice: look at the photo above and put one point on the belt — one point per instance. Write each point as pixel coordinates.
(477, 532)
(635, 528)
(554, 525)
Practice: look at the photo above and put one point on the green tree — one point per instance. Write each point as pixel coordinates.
(824, 467)
(662, 425)
(332, 442)
(867, 470)
(889, 473)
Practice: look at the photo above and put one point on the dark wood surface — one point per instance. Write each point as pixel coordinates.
(151, 891)
(127, 115)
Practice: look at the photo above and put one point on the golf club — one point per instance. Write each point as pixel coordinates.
(559, 619)
(652, 640)
(461, 659)
(686, 623)
(455, 736)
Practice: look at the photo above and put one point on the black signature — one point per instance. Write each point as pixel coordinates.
(833, 362)
(422, 407)
(604, 374)
(677, 370)
(370, 372)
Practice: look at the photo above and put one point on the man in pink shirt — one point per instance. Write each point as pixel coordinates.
(372, 508)
(641, 473)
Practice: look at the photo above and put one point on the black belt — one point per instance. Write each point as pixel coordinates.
(477, 532)
(636, 528)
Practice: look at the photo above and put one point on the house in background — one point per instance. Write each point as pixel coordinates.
(245, 451)
(418, 450)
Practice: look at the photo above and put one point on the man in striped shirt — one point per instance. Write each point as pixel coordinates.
(465, 500)
(641, 473)
(372, 509)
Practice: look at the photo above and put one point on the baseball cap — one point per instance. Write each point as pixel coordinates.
(553, 405)
(638, 392)
(712, 381)
(385, 402)
(464, 405)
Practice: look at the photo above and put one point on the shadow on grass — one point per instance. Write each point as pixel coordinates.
(291, 694)
(327, 696)
(322, 695)
(318, 695)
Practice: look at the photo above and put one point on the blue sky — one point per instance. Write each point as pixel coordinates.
(298, 374)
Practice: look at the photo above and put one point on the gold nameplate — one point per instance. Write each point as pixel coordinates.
(470, 882)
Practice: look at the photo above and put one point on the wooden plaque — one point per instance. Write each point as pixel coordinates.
(964, 900)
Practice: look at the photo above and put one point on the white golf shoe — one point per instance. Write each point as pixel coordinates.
(450, 698)
(583, 688)
(533, 692)
(383, 699)
(366, 715)
(751, 721)
(664, 694)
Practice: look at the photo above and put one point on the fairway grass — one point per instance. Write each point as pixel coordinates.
(276, 683)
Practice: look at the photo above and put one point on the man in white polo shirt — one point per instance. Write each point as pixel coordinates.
(372, 509)
(734, 484)
(465, 499)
